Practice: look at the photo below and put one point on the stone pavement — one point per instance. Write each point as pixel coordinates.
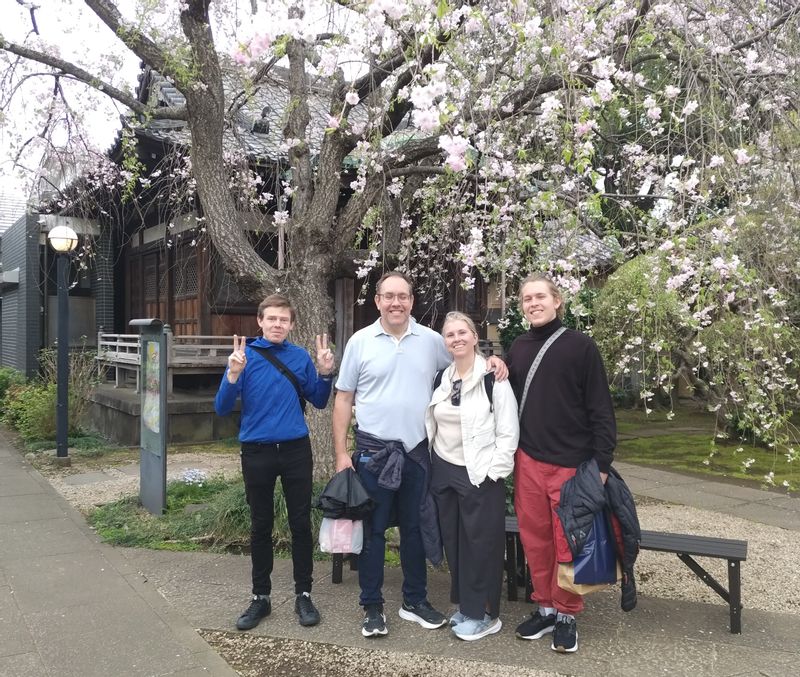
(71, 606)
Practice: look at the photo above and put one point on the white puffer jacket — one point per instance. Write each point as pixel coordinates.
(489, 438)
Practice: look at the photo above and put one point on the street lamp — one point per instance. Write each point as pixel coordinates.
(63, 240)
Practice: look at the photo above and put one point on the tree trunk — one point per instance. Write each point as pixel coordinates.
(315, 311)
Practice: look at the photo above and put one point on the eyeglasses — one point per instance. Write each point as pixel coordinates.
(455, 393)
(390, 296)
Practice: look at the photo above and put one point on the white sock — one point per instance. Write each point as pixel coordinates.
(564, 617)
(547, 611)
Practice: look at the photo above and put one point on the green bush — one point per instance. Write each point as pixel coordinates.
(35, 412)
(638, 324)
(9, 377)
(84, 375)
(30, 408)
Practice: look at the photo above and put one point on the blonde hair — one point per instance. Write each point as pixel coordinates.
(455, 316)
(555, 291)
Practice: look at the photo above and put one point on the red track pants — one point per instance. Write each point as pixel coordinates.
(537, 490)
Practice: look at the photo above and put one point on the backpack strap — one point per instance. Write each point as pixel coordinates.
(269, 356)
(488, 386)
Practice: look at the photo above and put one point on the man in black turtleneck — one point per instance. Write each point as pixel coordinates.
(567, 418)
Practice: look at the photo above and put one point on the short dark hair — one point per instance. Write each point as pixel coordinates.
(395, 273)
(276, 301)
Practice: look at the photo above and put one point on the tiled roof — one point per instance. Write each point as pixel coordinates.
(272, 96)
(586, 248)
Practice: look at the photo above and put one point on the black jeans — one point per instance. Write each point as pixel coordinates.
(261, 466)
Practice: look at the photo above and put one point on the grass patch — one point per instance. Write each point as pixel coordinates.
(212, 515)
(669, 444)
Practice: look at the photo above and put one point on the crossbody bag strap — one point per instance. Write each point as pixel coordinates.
(268, 355)
(535, 366)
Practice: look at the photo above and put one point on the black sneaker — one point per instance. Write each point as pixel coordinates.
(374, 624)
(258, 609)
(305, 609)
(565, 636)
(536, 626)
(628, 599)
(424, 614)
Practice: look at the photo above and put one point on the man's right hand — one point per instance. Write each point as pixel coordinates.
(237, 359)
(343, 461)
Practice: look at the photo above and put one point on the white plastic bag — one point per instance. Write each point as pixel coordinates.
(341, 536)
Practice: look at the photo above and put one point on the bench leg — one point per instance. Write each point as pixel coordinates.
(511, 566)
(336, 574)
(733, 596)
(735, 591)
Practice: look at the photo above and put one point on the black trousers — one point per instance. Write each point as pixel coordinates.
(472, 520)
(262, 464)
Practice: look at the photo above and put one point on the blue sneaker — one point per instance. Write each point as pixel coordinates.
(473, 628)
(457, 618)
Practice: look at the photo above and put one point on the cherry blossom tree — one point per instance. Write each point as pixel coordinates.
(490, 138)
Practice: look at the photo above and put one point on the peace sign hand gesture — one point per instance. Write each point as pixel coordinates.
(324, 356)
(237, 359)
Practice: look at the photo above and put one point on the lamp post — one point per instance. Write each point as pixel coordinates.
(63, 240)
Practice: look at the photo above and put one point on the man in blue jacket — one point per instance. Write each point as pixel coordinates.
(275, 442)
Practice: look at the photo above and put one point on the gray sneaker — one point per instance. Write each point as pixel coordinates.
(473, 628)
(457, 618)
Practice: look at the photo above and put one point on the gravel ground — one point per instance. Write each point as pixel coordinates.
(770, 576)
(258, 656)
(121, 482)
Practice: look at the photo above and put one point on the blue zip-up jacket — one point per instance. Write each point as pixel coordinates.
(270, 406)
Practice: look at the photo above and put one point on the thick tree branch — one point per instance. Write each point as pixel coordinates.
(142, 46)
(68, 68)
(744, 44)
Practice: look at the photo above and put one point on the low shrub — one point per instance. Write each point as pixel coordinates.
(9, 377)
(34, 411)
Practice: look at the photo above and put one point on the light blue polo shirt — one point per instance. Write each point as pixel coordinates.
(392, 379)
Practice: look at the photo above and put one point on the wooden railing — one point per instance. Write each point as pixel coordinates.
(185, 355)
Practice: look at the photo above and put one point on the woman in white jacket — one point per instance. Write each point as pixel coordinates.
(473, 440)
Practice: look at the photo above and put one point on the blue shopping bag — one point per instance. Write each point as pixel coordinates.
(597, 562)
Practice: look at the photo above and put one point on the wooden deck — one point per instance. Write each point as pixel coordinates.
(185, 355)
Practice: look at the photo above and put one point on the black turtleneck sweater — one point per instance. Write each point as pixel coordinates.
(568, 416)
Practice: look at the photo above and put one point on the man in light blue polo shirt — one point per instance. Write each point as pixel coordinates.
(387, 371)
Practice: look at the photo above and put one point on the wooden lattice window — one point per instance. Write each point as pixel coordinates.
(185, 277)
(150, 278)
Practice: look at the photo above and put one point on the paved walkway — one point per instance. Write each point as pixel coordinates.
(72, 606)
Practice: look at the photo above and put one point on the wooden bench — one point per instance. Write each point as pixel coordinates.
(685, 546)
